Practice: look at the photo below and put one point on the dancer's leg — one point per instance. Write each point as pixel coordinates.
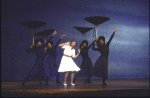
(40, 82)
(65, 78)
(57, 78)
(91, 74)
(30, 74)
(103, 74)
(47, 80)
(76, 76)
(39, 76)
(89, 77)
(104, 81)
(72, 76)
(24, 81)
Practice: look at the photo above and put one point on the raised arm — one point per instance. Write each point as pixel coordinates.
(107, 44)
(95, 49)
(59, 40)
(92, 43)
(50, 38)
(63, 44)
(52, 35)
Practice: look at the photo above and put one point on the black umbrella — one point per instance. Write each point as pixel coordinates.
(45, 33)
(96, 20)
(83, 30)
(33, 25)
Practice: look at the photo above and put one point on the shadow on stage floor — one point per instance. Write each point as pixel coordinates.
(115, 88)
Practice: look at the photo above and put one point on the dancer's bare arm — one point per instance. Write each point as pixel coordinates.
(67, 44)
(76, 54)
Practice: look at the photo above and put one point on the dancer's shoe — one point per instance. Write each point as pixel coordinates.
(65, 84)
(72, 84)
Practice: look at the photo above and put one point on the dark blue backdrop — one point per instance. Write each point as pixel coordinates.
(129, 49)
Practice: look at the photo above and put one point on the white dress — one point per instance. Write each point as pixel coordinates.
(67, 63)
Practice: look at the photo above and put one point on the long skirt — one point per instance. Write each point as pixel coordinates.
(86, 67)
(51, 67)
(100, 68)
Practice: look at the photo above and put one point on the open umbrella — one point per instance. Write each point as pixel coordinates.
(45, 33)
(33, 25)
(83, 30)
(96, 20)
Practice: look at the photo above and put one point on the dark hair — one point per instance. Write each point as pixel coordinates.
(84, 41)
(38, 39)
(101, 37)
(50, 43)
(72, 42)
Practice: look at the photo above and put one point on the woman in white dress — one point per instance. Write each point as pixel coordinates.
(67, 64)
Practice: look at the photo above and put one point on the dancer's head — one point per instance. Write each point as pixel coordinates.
(73, 44)
(38, 42)
(101, 41)
(49, 44)
(84, 43)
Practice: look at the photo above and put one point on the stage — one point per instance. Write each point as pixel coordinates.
(114, 88)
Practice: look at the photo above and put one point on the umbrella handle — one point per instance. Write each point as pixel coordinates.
(96, 31)
(45, 39)
(33, 36)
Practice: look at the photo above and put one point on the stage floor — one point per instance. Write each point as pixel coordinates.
(122, 88)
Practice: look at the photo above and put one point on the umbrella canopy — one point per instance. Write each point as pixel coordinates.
(96, 20)
(83, 29)
(45, 33)
(33, 24)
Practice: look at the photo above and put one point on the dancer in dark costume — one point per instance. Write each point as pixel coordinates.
(100, 68)
(38, 69)
(51, 68)
(86, 65)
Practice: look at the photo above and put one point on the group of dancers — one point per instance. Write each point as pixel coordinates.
(45, 66)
